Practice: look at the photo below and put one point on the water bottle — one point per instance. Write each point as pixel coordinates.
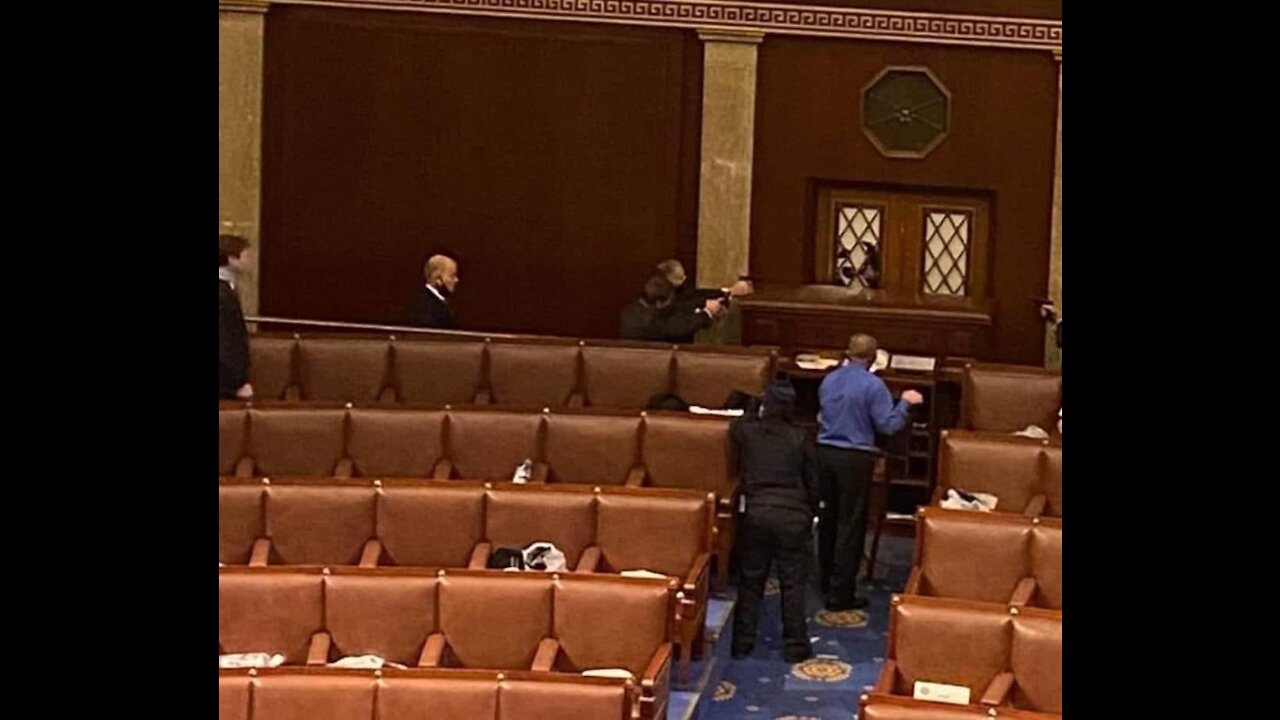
(523, 473)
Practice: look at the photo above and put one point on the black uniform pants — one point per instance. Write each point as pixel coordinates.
(767, 534)
(845, 479)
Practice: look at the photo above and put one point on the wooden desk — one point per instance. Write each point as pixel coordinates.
(800, 317)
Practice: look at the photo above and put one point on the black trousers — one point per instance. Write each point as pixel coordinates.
(845, 478)
(767, 534)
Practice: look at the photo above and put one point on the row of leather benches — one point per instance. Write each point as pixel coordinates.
(480, 620)
(1009, 658)
(987, 557)
(666, 450)
(534, 370)
(457, 524)
(1025, 474)
(391, 694)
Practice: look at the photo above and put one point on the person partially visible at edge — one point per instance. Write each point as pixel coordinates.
(433, 309)
(654, 315)
(855, 406)
(233, 338)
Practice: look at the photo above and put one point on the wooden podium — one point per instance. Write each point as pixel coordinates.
(822, 317)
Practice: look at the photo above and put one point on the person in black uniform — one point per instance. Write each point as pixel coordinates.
(691, 297)
(778, 471)
(432, 309)
(654, 316)
(233, 340)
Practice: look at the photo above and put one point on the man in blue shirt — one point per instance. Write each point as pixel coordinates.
(855, 406)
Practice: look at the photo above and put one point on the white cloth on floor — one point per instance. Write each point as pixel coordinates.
(1033, 431)
(619, 673)
(982, 502)
(364, 662)
(250, 660)
(642, 574)
(544, 556)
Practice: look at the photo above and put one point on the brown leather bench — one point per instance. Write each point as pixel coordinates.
(392, 694)
(987, 557)
(664, 450)
(511, 370)
(1007, 657)
(456, 524)
(1008, 398)
(885, 707)
(490, 620)
(1025, 474)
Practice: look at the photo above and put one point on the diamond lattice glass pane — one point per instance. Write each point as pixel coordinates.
(857, 235)
(946, 249)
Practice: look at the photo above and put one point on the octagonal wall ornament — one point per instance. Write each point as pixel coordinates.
(906, 111)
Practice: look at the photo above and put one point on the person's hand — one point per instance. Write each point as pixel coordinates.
(714, 308)
(912, 397)
(245, 392)
(740, 288)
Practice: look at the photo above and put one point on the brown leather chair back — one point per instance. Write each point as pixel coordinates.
(1036, 662)
(1007, 467)
(268, 611)
(438, 372)
(387, 614)
(617, 377)
(688, 453)
(948, 642)
(240, 521)
(592, 449)
(493, 622)
(532, 374)
(1046, 563)
(342, 369)
(646, 532)
(296, 441)
(516, 517)
(395, 443)
(319, 524)
(233, 697)
(1008, 398)
(271, 363)
(490, 445)
(707, 379)
(973, 556)
(407, 698)
(1051, 471)
(428, 524)
(232, 438)
(314, 697)
(617, 624)
(536, 700)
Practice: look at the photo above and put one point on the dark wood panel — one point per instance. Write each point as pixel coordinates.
(558, 161)
(1001, 145)
(816, 317)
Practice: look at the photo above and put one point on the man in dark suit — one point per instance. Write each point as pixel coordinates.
(654, 316)
(432, 310)
(233, 340)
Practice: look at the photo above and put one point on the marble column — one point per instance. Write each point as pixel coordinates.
(240, 36)
(728, 139)
(1053, 357)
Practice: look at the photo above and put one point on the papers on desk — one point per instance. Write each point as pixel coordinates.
(699, 410)
(882, 361)
(914, 363)
(810, 361)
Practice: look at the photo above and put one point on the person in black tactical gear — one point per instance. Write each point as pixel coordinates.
(776, 464)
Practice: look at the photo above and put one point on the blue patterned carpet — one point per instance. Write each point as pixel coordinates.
(849, 647)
